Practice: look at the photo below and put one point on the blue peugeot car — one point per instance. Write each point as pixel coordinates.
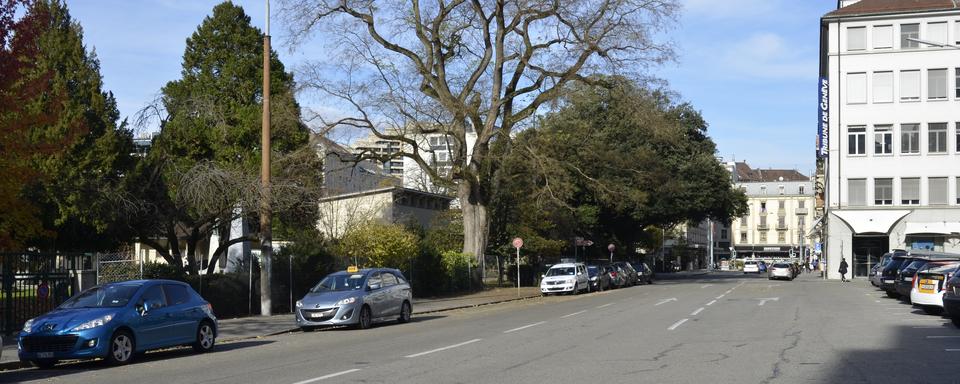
(119, 320)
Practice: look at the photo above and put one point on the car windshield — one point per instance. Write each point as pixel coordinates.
(107, 296)
(562, 271)
(940, 268)
(781, 265)
(339, 282)
(592, 270)
(749, 263)
(915, 265)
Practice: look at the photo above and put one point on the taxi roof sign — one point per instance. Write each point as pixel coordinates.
(352, 269)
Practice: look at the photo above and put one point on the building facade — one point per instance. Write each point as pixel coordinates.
(781, 203)
(890, 129)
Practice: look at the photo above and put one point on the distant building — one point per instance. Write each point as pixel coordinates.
(341, 212)
(890, 129)
(780, 203)
(371, 144)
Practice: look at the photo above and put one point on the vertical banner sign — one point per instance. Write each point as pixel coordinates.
(823, 125)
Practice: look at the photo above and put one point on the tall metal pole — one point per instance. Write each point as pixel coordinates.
(266, 246)
(710, 240)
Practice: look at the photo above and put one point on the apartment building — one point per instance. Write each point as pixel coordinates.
(781, 203)
(890, 129)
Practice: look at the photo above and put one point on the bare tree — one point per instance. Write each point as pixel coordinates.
(459, 68)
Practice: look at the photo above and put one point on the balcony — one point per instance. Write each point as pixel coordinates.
(763, 227)
(800, 211)
(781, 227)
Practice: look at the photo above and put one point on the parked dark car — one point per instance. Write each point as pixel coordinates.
(117, 321)
(904, 281)
(631, 274)
(888, 276)
(618, 278)
(951, 298)
(599, 277)
(644, 273)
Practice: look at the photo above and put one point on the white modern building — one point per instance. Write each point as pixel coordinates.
(890, 129)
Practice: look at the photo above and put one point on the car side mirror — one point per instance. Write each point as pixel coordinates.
(579, 273)
(141, 308)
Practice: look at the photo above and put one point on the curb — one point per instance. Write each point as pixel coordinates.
(476, 305)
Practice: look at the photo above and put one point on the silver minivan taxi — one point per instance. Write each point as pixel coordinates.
(356, 297)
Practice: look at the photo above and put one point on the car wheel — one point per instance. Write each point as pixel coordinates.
(45, 363)
(576, 289)
(366, 318)
(206, 337)
(405, 312)
(956, 321)
(892, 295)
(121, 348)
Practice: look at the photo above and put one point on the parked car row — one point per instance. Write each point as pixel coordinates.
(574, 278)
(928, 280)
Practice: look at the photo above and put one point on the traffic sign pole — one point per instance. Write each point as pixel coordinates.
(517, 243)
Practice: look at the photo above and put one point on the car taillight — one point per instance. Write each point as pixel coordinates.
(913, 281)
(614, 274)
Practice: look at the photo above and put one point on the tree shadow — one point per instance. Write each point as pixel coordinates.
(82, 366)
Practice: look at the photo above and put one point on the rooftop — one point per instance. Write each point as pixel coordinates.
(745, 174)
(879, 7)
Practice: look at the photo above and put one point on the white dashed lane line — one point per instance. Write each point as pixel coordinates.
(604, 306)
(332, 375)
(524, 327)
(572, 314)
(943, 337)
(677, 324)
(443, 348)
(711, 302)
(697, 311)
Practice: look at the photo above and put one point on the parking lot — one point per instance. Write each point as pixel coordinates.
(721, 327)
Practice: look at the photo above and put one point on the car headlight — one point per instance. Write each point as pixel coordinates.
(571, 281)
(299, 303)
(349, 300)
(93, 323)
(28, 326)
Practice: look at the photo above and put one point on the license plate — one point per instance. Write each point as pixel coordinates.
(316, 314)
(888, 281)
(45, 355)
(927, 286)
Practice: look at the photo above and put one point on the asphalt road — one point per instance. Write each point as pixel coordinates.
(719, 328)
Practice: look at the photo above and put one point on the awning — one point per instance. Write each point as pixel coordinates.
(813, 228)
(871, 221)
(938, 228)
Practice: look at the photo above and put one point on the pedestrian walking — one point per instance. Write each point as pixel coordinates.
(843, 269)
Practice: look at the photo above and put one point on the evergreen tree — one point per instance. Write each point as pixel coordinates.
(206, 158)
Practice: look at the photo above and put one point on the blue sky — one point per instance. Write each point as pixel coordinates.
(749, 65)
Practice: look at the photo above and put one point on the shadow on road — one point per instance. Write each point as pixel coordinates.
(83, 366)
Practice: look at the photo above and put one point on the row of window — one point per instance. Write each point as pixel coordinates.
(883, 85)
(882, 36)
(781, 221)
(908, 136)
(781, 204)
(781, 237)
(780, 189)
(938, 191)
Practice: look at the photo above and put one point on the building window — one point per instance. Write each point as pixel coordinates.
(763, 207)
(763, 236)
(802, 203)
(938, 193)
(781, 204)
(957, 182)
(763, 221)
(909, 138)
(883, 191)
(956, 76)
(781, 189)
(882, 36)
(937, 32)
(743, 237)
(937, 138)
(910, 191)
(857, 192)
(957, 137)
(882, 139)
(723, 233)
(909, 85)
(781, 238)
(763, 189)
(856, 38)
(802, 222)
(801, 192)
(908, 32)
(883, 87)
(936, 84)
(856, 140)
(956, 32)
(856, 88)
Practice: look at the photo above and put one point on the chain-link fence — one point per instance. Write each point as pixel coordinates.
(118, 266)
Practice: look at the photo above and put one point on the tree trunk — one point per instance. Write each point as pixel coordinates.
(476, 222)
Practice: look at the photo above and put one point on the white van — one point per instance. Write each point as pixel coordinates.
(566, 277)
(751, 266)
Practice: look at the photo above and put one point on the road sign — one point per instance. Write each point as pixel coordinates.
(517, 242)
(611, 247)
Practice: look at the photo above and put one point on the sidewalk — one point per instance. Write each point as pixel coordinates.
(253, 327)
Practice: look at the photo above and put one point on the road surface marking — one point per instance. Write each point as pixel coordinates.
(677, 324)
(605, 305)
(572, 314)
(706, 285)
(876, 301)
(766, 299)
(721, 296)
(943, 337)
(952, 350)
(697, 311)
(443, 348)
(327, 376)
(664, 301)
(524, 327)
(927, 327)
(711, 302)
